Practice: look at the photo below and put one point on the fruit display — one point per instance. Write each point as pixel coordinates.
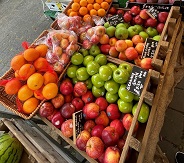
(11, 149)
(154, 1)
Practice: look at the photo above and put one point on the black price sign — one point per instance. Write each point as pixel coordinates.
(78, 122)
(115, 19)
(152, 12)
(136, 81)
(159, 7)
(149, 48)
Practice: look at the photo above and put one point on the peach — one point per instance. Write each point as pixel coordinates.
(137, 39)
(104, 39)
(129, 43)
(112, 41)
(113, 52)
(64, 43)
(57, 50)
(120, 45)
(72, 39)
(139, 47)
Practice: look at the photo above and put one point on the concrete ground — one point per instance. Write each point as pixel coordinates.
(24, 20)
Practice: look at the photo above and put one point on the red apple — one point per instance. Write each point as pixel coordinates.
(67, 110)
(100, 30)
(68, 98)
(66, 87)
(110, 136)
(101, 158)
(57, 119)
(102, 103)
(120, 45)
(104, 39)
(113, 52)
(127, 17)
(141, 1)
(105, 48)
(112, 155)
(58, 101)
(46, 109)
(82, 139)
(135, 10)
(143, 14)
(112, 10)
(160, 27)
(91, 110)
(120, 11)
(95, 39)
(127, 121)
(121, 143)
(51, 116)
(88, 125)
(118, 125)
(78, 103)
(80, 88)
(162, 16)
(102, 119)
(146, 63)
(131, 53)
(97, 131)
(122, 56)
(138, 20)
(67, 128)
(137, 39)
(86, 44)
(150, 22)
(88, 97)
(94, 147)
(112, 41)
(113, 112)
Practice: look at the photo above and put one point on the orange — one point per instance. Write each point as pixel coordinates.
(42, 48)
(41, 64)
(50, 77)
(93, 12)
(90, 1)
(104, 5)
(50, 90)
(26, 71)
(12, 86)
(25, 93)
(87, 18)
(83, 11)
(83, 3)
(99, 1)
(35, 81)
(17, 62)
(30, 105)
(31, 54)
(101, 12)
(69, 11)
(89, 7)
(96, 6)
(108, 1)
(77, 1)
(73, 13)
(75, 6)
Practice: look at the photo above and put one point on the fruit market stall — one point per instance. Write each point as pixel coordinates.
(100, 78)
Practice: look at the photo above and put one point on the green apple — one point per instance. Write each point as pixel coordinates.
(156, 38)
(111, 86)
(74, 80)
(94, 50)
(126, 66)
(87, 59)
(151, 31)
(120, 75)
(136, 97)
(71, 71)
(143, 114)
(125, 107)
(127, 25)
(112, 65)
(121, 33)
(89, 84)
(144, 35)
(97, 92)
(139, 27)
(111, 98)
(77, 58)
(82, 74)
(124, 94)
(101, 59)
(110, 31)
(84, 52)
(132, 31)
(97, 81)
(105, 72)
(92, 67)
(120, 25)
(106, 25)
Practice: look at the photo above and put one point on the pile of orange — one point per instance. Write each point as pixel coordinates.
(88, 8)
(34, 80)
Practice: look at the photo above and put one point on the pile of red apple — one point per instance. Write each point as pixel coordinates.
(154, 1)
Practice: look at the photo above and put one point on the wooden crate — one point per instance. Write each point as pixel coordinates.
(147, 96)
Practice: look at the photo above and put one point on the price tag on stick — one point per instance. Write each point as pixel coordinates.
(149, 48)
(152, 12)
(136, 81)
(78, 123)
(115, 19)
